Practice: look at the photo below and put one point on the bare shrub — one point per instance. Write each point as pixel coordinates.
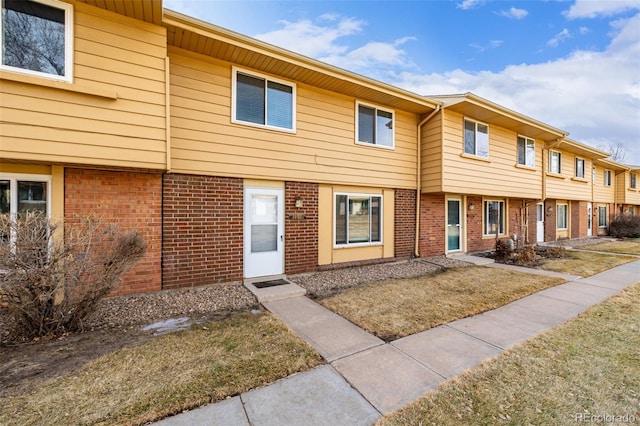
(503, 251)
(526, 256)
(625, 226)
(51, 282)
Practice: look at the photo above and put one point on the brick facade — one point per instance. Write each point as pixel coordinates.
(301, 227)
(202, 230)
(404, 223)
(432, 225)
(131, 200)
(579, 219)
(550, 220)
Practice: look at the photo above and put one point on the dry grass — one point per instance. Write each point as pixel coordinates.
(630, 246)
(584, 264)
(167, 375)
(589, 366)
(396, 308)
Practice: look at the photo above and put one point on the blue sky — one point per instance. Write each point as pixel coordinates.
(572, 64)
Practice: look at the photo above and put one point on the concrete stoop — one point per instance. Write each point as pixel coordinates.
(277, 292)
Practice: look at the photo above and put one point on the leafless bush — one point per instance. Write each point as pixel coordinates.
(51, 282)
(503, 251)
(526, 256)
(625, 226)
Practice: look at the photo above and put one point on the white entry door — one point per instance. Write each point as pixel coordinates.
(263, 232)
(454, 225)
(540, 222)
(589, 220)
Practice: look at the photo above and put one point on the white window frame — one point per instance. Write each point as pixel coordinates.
(464, 144)
(502, 227)
(607, 178)
(376, 108)
(601, 216)
(552, 153)
(565, 207)
(234, 96)
(526, 142)
(584, 164)
(633, 180)
(68, 44)
(363, 244)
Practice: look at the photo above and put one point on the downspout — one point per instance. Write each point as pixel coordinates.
(416, 250)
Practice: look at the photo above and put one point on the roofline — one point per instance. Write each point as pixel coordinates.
(473, 98)
(597, 153)
(176, 19)
(612, 164)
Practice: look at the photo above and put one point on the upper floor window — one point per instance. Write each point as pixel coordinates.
(555, 162)
(358, 219)
(375, 126)
(580, 167)
(494, 218)
(263, 102)
(607, 178)
(476, 138)
(526, 152)
(633, 181)
(594, 175)
(37, 38)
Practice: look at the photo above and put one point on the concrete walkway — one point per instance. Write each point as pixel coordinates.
(366, 378)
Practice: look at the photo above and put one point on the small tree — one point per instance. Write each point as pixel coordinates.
(51, 282)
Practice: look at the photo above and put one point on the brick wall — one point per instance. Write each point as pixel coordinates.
(131, 200)
(432, 225)
(532, 235)
(203, 230)
(475, 230)
(550, 220)
(579, 219)
(404, 223)
(301, 227)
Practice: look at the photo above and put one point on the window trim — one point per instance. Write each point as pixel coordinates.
(464, 145)
(607, 178)
(633, 180)
(525, 139)
(364, 244)
(606, 218)
(584, 165)
(267, 78)
(551, 152)
(67, 8)
(566, 216)
(485, 215)
(376, 108)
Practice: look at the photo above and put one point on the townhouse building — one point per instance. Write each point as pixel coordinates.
(237, 159)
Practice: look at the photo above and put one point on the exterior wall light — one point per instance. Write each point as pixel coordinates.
(299, 203)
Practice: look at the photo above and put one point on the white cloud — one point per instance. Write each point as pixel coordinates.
(561, 36)
(594, 95)
(594, 8)
(493, 44)
(514, 13)
(469, 4)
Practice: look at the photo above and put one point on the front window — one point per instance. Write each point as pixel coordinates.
(633, 181)
(526, 152)
(555, 162)
(375, 126)
(607, 178)
(36, 38)
(580, 168)
(563, 216)
(602, 216)
(358, 219)
(494, 218)
(263, 102)
(476, 138)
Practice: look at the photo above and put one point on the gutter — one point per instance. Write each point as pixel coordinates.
(416, 250)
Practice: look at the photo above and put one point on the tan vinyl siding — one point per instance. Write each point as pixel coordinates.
(323, 148)
(601, 193)
(624, 194)
(498, 175)
(112, 54)
(566, 185)
(431, 163)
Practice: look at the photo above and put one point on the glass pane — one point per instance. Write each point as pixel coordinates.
(279, 105)
(341, 219)
(384, 128)
(4, 196)
(469, 137)
(33, 37)
(494, 217)
(376, 231)
(579, 168)
(250, 99)
(358, 219)
(482, 141)
(562, 216)
(264, 238)
(539, 212)
(453, 212)
(531, 153)
(264, 209)
(521, 151)
(555, 162)
(366, 124)
(32, 196)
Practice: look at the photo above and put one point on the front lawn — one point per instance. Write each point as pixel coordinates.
(629, 246)
(583, 263)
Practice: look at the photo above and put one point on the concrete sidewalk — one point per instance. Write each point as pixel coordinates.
(366, 378)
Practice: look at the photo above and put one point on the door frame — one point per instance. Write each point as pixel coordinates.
(460, 225)
(539, 223)
(273, 262)
(589, 219)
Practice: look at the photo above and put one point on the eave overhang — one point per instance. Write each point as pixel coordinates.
(580, 149)
(143, 10)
